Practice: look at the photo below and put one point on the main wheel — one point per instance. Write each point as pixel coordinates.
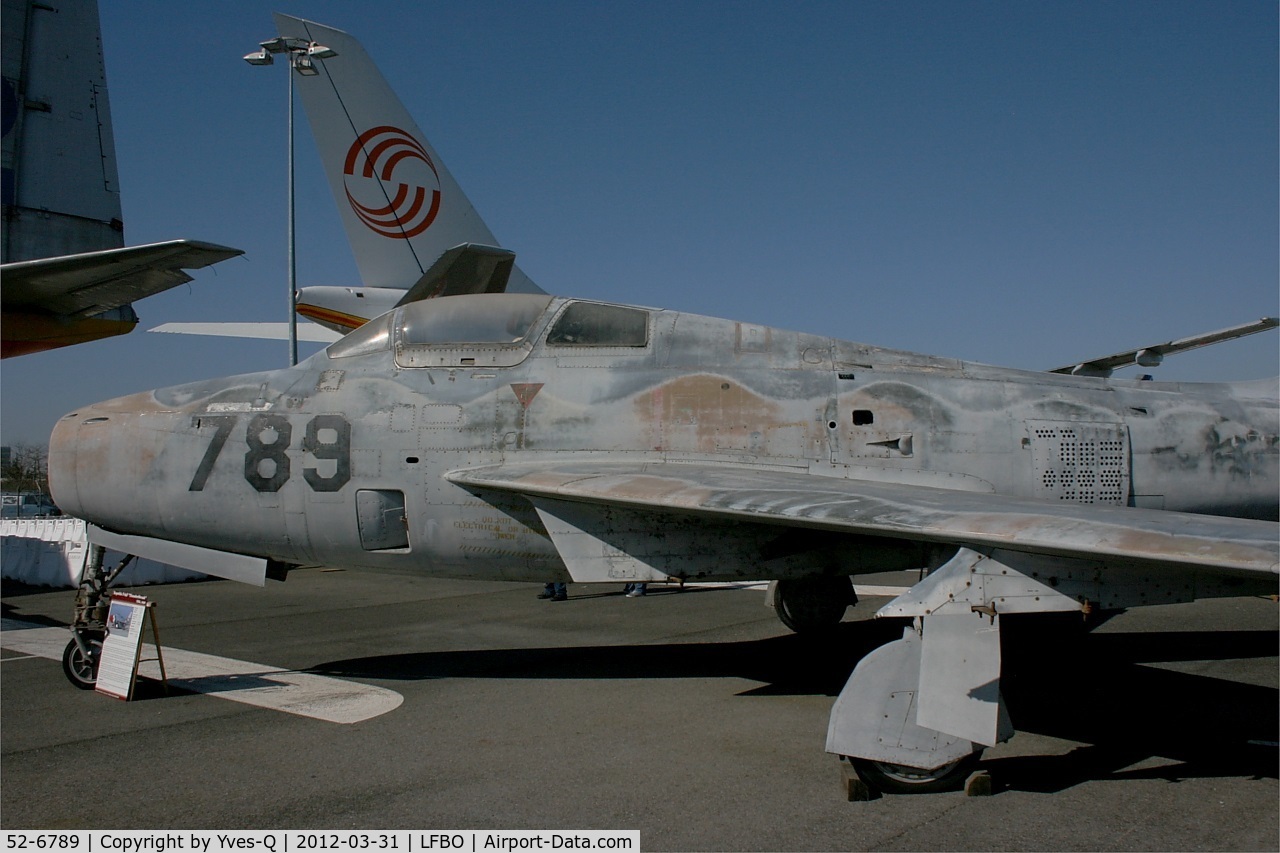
(80, 670)
(812, 605)
(901, 779)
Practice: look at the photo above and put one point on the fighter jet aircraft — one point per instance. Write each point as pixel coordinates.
(526, 438)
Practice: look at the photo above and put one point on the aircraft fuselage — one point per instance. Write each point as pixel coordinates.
(318, 464)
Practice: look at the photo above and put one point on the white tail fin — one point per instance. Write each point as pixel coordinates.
(401, 208)
(60, 189)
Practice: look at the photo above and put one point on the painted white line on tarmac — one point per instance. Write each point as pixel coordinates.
(317, 696)
(872, 590)
(764, 584)
(760, 585)
(36, 640)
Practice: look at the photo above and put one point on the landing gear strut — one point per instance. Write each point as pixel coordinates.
(89, 627)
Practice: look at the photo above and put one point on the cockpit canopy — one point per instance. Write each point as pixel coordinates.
(471, 319)
(490, 330)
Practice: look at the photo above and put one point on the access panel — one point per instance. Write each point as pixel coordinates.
(380, 514)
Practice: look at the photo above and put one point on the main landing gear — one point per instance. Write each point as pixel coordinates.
(917, 713)
(903, 779)
(905, 734)
(811, 605)
(89, 627)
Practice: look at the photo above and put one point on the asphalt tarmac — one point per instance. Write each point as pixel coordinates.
(694, 717)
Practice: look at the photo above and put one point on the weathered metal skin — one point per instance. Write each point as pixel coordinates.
(275, 464)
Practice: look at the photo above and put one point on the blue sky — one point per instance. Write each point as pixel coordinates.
(1018, 183)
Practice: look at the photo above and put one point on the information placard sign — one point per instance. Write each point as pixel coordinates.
(118, 666)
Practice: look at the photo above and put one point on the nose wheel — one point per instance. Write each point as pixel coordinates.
(80, 658)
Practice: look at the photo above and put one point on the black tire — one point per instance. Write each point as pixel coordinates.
(82, 672)
(813, 605)
(899, 779)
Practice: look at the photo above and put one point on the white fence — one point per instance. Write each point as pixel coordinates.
(52, 551)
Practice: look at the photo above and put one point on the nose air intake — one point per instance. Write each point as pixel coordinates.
(102, 461)
(86, 462)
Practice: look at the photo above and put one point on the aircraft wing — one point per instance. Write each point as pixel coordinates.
(92, 282)
(1142, 537)
(308, 332)
(1153, 355)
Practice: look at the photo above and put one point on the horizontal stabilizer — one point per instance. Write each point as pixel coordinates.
(309, 332)
(92, 282)
(1153, 355)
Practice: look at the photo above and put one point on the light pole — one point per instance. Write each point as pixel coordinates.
(302, 55)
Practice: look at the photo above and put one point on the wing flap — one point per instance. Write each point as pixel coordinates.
(916, 513)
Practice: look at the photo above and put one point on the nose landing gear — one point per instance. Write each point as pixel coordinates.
(89, 627)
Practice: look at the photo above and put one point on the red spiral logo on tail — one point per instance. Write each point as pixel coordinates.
(372, 159)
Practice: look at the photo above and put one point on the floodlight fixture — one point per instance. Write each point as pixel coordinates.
(281, 44)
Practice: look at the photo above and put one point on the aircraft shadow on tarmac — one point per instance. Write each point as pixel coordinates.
(785, 665)
(1094, 689)
(1097, 689)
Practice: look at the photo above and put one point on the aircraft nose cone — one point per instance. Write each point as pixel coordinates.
(98, 457)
